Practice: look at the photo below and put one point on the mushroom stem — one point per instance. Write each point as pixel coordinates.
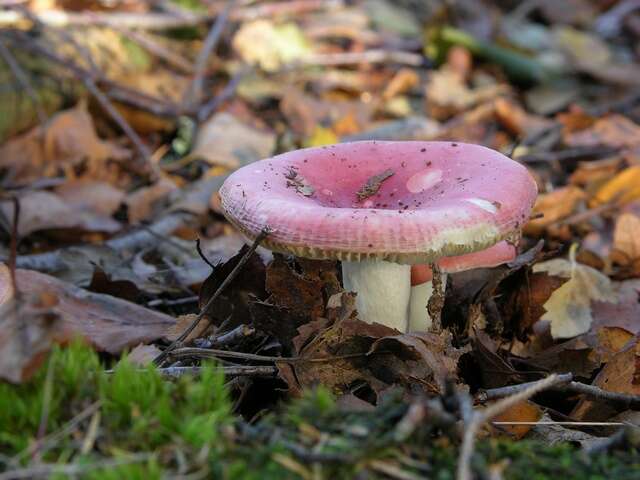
(383, 290)
(419, 318)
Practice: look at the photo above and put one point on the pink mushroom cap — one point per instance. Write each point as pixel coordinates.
(498, 254)
(438, 199)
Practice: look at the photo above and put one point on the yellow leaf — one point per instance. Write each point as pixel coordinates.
(321, 136)
(623, 188)
(569, 307)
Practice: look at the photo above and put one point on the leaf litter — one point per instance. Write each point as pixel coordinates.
(119, 245)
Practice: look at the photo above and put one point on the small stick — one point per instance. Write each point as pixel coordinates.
(235, 370)
(194, 92)
(478, 418)
(205, 310)
(622, 399)
(227, 92)
(216, 353)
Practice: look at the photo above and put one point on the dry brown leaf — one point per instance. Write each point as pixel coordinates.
(92, 196)
(626, 240)
(623, 188)
(68, 139)
(554, 206)
(29, 327)
(41, 210)
(520, 412)
(518, 121)
(614, 130)
(108, 323)
(143, 355)
(141, 203)
(620, 375)
(569, 307)
(182, 323)
(225, 141)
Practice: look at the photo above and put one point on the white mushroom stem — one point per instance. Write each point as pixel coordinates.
(383, 291)
(419, 318)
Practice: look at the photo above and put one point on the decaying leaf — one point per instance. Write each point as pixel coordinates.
(622, 188)
(569, 307)
(626, 243)
(553, 207)
(109, 323)
(373, 184)
(41, 210)
(226, 141)
(620, 375)
(521, 412)
(68, 139)
(268, 45)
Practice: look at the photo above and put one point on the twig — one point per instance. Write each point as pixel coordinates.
(235, 370)
(478, 418)
(194, 92)
(23, 81)
(238, 333)
(149, 44)
(128, 130)
(216, 353)
(630, 434)
(501, 392)
(625, 400)
(205, 310)
(225, 94)
(198, 194)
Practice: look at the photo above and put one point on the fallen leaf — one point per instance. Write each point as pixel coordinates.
(140, 203)
(40, 210)
(143, 355)
(108, 323)
(569, 307)
(68, 139)
(613, 130)
(626, 243)
(92, 196)
(554, 206)
(268, 45)
(620, 375)
(622, 188)
(225, 141)
(29, 327)
(520, 412)
(182, 323)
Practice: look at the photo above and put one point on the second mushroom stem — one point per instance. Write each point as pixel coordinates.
(385, 295)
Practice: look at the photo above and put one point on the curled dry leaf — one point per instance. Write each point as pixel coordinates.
(91, 196)
(622, 188)
(619, 375)
(225, 141)
(40, 210)
(141, 203)
(626, 243)
(569, 307)
(553, 207)
(67, 139)
(109, 323)
(521, 412)
(270, 46)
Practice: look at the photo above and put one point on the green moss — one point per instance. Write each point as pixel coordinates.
(149, 427)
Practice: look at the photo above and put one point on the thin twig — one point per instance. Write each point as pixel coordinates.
(235, 370)
(216, 353)
(625, 400)
(356, 58)
(205, 310)
(478, 418)
(225, 94)
(194, 92)
(127, 129)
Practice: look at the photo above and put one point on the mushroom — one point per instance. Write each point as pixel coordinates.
(421, 276)
(380, 207)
